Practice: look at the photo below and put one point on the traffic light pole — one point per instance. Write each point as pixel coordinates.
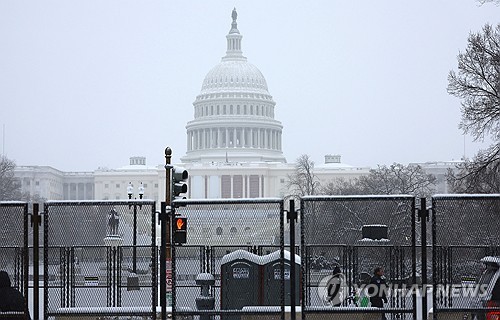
(166, 242)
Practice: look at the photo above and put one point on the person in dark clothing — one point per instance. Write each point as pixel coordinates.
(334, 287)
(11, 299)
(377, 289)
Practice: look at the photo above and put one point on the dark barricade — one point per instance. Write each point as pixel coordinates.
(466, 251)
(100, 257)
(14, 254)
(218, 230)
(343, 239)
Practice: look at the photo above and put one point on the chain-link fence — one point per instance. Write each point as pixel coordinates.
(100, 258)
(14, 257)
(350, 237)
(233, 262)
(466, 253)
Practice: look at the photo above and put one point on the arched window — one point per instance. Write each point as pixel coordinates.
(218, 231)
(233, 230)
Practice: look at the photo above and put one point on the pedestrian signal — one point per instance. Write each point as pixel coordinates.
(180, 230)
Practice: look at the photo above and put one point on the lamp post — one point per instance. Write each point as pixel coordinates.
(130, 192)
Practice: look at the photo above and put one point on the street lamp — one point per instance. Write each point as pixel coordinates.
(130, 192)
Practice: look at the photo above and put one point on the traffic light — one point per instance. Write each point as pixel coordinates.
(180, 230)
(179, 183)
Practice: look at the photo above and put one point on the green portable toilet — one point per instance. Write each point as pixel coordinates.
(271, 279)
(240, 281)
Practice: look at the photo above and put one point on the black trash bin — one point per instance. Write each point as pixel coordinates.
(271, 276)
(240, 281)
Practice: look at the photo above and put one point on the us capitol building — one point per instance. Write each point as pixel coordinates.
(234, 147)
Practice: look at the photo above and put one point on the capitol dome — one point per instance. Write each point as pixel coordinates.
(234, 113)
(234, 75)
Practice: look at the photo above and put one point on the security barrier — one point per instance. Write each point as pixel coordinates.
(100, 258)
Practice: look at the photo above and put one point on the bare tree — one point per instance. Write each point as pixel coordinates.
(303, 181)
(9, 188)
(477, 84)
(341, 186)
(478, 175)
(497, 2)
(398, 179)
(393, 179)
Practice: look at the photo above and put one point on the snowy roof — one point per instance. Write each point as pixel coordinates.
(260, 260)
(490, 259)
(478, 195)
(381, 196)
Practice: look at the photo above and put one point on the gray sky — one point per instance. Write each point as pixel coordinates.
(90, 83)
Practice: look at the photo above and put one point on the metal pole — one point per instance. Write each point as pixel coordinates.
(424, 214)
(292, 215)
(134, 242)
(163, 264)
(166, 253)
(36, 262)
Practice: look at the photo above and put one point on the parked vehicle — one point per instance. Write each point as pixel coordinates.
(490, 279)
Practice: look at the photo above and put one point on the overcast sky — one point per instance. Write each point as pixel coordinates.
(87, 84)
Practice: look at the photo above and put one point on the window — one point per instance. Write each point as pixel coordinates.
(282, 180)
(106, 186)
(156, 185)
(218, 231)
(37, 183)
(233, 230)
(145, 185)
(117, 186)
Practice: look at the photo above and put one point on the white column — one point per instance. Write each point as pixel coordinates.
(232, 184)
(275, 139)
(251, 137)
(195, 138)
(243, 138)
(219, 140)
(227, 138)
(260, 186)
(266, 139)
(234, 137)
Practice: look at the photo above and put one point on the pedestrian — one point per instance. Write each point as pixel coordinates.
(334, 287)
(377, 289)
(11, 299)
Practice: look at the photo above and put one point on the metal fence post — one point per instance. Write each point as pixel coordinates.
(35, 221)
(292, 217)
(423, 216)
